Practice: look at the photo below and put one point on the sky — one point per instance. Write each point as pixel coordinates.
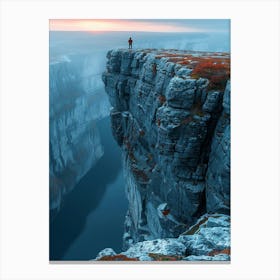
(148, 25)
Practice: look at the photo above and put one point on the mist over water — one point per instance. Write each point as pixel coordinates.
(69, 43)
(86, 179)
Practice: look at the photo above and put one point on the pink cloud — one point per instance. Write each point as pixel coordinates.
(116, 25)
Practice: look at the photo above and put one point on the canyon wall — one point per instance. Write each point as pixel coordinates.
(174, 130)
(76, 101)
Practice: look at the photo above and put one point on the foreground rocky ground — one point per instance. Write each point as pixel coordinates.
(207, 240)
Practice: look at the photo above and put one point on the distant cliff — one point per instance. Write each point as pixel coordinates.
(74, 141)
(171, 116)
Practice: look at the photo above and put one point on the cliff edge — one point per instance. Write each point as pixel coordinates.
(171, 116)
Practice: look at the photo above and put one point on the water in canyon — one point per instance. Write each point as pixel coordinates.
(91, 216)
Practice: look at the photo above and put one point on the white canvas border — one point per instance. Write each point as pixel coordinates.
(24, 138)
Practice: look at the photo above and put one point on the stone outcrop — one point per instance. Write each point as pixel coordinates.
(207, 240)
(174, 128)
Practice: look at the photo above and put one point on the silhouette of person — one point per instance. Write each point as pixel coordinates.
(130, 41)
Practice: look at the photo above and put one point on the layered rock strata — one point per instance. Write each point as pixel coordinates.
(173, 124)
(74, 141)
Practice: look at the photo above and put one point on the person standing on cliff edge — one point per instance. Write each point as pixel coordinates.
(130, 41)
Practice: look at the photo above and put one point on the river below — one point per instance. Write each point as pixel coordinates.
(91, 217)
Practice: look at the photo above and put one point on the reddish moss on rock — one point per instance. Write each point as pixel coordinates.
(165, 212)
(194, 229)
(217, 252)
(140, 174)
(213, 66)
(158, 122)
(161, 99)
(119, 257)
(217, 71)
(160, 257)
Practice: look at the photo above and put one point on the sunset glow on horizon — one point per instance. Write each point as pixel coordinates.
(96, 25)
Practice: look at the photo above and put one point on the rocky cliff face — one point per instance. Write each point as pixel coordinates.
(171, 116)
(75, 105)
